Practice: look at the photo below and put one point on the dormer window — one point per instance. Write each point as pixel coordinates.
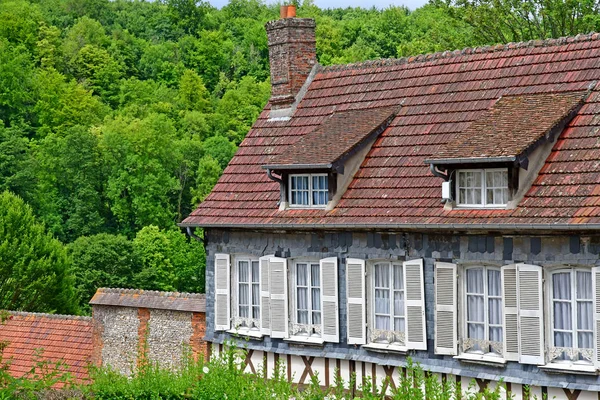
(309, 190)
(482, 187)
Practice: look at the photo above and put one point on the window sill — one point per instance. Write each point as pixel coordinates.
(246, 333)
(385, 348)
(305, 340)
(566, 368)
(481, 359)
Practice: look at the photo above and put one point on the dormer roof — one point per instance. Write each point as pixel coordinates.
(511, 128)
(441, 96)
(334, 140)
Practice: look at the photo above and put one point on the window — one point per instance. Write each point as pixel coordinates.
(307, 299)
(482, 187)
(483, 317)
(248, 295)
(311, 190)
(389, 323)
(572, 316)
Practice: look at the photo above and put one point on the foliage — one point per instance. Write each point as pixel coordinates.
(119, 115)
(113, 259)
(34, 267)
(169, 261)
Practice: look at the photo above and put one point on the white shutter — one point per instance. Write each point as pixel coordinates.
(278, 285)
(596, 294)
(531, 314)
(330, 329)
(265, 296)
(355, 293)
(510, 312)
(446, 336)
(222, 292)
(416, 337)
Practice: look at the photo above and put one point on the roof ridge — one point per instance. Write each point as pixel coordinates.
(156, 293)
(48, 315)
(386, 62)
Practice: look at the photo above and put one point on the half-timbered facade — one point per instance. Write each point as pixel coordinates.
(443, 207)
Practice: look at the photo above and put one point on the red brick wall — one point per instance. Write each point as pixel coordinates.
(292, 54)
(199, 346)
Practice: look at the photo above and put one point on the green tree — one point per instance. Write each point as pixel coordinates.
(503, 21)
(169, 261)
(102, 260)
(142, 158)
(207, 176)
(69, 183)
(35, 273)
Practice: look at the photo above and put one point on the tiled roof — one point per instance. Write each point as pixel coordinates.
(53, 337)
(336, 137)
(513, 125)
(192, 302)
(441, 95)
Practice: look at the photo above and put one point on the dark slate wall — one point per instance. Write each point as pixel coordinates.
(502, 250)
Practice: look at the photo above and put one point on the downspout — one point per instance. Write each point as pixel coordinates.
(191, 233)
(437, 173)
(281, 186)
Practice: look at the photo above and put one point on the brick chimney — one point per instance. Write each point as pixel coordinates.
(292, 55)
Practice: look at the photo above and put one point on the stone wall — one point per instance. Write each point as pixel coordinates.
(132, 327)
(544, 250)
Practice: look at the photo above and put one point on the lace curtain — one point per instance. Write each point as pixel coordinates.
(565, 303)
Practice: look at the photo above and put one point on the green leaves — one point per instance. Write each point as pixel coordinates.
(34, 268)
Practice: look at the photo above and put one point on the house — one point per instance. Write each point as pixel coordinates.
(443, 208)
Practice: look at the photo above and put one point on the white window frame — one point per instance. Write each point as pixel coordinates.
(298, 331)
(484, 203)
(397, 340)
(240, 324)
(567, 364)
(310, 191)
(490, 355)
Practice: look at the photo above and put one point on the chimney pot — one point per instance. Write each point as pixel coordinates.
(291, 11)
(283, 10)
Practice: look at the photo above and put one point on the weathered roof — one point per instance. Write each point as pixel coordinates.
(335, 138)
(190, 302)
(441, 95)
(54, 338)
(511, 126)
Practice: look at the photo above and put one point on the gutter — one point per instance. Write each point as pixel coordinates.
(477, 160)
(429, 227)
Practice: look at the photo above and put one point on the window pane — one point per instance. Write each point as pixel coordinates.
(302, 298)
(255, 294)
(303, 317)
(399, 325)
(496, 334)
(382, 323)
(563, 339)
(585, 340)
(316, 318)
(243, 272)
(476, 196)
(304, 198)
(399, 304)
(398, 278)
(316, 299)
(584, 285)
(494, 284)
(382, 301)
(382, 275)
(585, 315)
(475, 280)
(315, 278)
(476, 331)
(562, 316)
(301, 274)
(255, 272)
(475, 309)
(495, 311)
(561, 286)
